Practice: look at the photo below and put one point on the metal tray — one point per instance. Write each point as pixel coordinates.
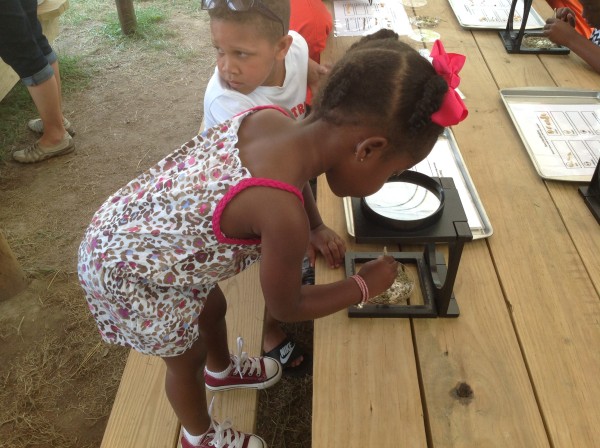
(468, 195)
(552, 96)
(534, 21)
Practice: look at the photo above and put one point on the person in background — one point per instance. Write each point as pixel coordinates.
(561, 31)
(312, 20)
(24, 47)
(576, 9)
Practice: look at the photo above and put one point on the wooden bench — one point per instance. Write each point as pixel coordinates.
(142, 417)
(48, 13)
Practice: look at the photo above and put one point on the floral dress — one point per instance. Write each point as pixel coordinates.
(154, 250)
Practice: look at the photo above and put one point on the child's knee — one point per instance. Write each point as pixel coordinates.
(214, 309)
(191, 362)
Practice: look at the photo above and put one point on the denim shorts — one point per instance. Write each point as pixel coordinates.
(23, 46)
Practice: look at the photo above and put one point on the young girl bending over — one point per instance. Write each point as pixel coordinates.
(154, 252)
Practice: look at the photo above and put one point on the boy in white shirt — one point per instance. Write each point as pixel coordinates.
(222, 101)
(261, 62)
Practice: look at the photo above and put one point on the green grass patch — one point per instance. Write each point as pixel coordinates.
(75, 74)
(17, 107)
(150, 28)
(15, 110)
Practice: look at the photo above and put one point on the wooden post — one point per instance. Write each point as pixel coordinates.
(12, 277)
(126, 16)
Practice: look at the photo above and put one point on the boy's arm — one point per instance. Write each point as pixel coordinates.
(314, 76)
(322, 238)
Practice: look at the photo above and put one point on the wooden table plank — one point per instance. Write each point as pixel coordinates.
(480, 347)
(553, 302)
(148, 420)
(528, 305)
(365, 385)
(446, 357)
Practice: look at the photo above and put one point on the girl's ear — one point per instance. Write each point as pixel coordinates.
(370, 147)
(282, 46)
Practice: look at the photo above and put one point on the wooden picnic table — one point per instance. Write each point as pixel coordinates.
(525, 350)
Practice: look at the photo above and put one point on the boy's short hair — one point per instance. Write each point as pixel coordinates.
(267, 27)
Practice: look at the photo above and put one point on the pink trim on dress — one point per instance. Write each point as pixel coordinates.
(233, 191)
(266, 106)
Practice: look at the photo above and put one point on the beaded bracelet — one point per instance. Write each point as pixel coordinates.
(363, 289)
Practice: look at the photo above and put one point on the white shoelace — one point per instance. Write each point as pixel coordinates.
(242, 364)
(224, 435)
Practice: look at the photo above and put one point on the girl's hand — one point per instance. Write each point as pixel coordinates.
(328, 243)
(559, 32)
(379, 274)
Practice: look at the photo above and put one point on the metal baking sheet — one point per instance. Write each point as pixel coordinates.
(492, 14)
(478, 221)
(569, 154)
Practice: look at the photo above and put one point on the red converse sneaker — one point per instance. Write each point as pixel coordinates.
(222, 436)
(246, 373)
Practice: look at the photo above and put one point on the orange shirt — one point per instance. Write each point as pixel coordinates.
(311, 19)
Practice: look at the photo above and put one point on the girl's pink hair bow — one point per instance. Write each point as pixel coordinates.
(447, 65)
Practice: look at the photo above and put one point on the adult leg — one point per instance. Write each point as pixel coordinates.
(20, 40)
(46, 95)
(47, 101)
(56, 69)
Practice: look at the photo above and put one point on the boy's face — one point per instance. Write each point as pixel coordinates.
(245, 58)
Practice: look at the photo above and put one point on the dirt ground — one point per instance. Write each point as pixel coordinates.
(57, 379)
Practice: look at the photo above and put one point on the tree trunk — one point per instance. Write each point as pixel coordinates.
(126, 16)
(12, 277)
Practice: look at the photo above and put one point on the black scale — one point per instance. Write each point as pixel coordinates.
(448, 226)
(513, 40)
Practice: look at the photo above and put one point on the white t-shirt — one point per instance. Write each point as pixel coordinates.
(221, 102)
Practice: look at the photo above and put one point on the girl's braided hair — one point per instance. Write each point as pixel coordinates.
(386, 84)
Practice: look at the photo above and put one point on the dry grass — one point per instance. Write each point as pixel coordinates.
(285, 411)
(60, 375)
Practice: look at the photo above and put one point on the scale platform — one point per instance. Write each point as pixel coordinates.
(436, 278)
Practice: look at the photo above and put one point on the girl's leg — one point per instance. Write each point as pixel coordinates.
(184, 381)
(213, 329)
(47, 101)
(184, 385)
